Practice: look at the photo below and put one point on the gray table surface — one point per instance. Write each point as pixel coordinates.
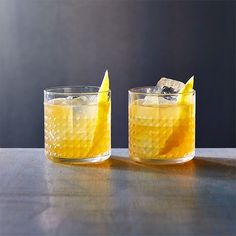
(118, 197)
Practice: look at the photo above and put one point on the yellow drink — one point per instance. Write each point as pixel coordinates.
(161, 131)
(161, 126)
(75, 130)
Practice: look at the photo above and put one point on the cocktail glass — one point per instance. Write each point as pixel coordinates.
(77, 124)
(161, 126)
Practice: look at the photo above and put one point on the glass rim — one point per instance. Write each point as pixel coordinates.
(135, 91)
(55, 90)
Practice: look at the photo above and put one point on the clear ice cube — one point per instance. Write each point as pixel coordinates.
(151, 100)
(76, 101)
(169, 85)
(166, 90)
(156, 90)
(83, 107)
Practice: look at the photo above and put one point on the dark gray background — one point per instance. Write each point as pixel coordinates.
(46, 43)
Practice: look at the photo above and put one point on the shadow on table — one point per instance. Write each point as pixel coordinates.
(216, 162)
(200, 165)
(207, 166)
(215, 166)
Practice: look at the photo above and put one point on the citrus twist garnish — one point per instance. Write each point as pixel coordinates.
(183, 99)
(103, 115)
(104, 88)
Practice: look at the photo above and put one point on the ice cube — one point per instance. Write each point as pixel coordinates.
(156, 90)
(157, 100)
(75, 100)
(82, 107)
(169, 85)
(167, 101)
(57, 101)
(167, 90)
(156, 96)
(151, 100)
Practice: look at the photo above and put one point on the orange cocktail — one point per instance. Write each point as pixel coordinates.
(77, 124)
(161, 126)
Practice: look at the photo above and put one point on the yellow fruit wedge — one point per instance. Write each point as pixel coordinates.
(99, 146)
(184, 99)
(104, 88)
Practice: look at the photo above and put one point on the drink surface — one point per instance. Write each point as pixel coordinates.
(162, 131)
(71, 129)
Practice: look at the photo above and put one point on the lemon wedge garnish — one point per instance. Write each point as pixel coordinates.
(183, 99)
(104, 88)
(103, 116)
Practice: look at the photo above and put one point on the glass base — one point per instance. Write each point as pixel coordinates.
(79, 161)
(169, 161)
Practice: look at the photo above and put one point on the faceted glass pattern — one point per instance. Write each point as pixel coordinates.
(70, 131)
(161, 133)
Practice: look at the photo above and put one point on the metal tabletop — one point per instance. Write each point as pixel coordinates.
(117, 197)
